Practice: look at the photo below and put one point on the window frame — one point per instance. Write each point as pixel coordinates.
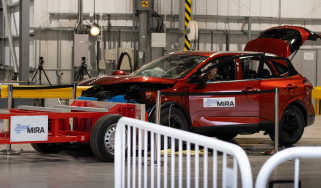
(205, 73)
(291, 69)
(261, 57)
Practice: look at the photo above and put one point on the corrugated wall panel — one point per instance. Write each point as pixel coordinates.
(223, 8)
(316, 11)
(41, 16)
(66, 58)
(245, 7)
(290, 8)
(294, 8)
(7, 59)
(234, 7)
(270, 8)
(43, 7)
(62, 5)
(166, 7)
(301, 9)
(199, 7)
(266, 8)
(212, 7)
(255, 8)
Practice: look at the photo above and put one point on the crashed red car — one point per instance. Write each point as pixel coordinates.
(238, 100)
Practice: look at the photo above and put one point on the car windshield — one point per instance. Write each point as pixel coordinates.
(170, 66)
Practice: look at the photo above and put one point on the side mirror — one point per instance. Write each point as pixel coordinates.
(200, 80)
(201, 83)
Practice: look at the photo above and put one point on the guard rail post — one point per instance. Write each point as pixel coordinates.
(173, 173)
(10, 105)
(157, 119)
(295, 154)
(9, 150)
(10, 96)
(158, 107)
(74, 91)
(276, 120)
(74, 96)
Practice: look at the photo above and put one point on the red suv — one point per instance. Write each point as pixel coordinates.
(223, 94)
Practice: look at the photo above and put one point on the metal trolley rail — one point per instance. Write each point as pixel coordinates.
(43, 126)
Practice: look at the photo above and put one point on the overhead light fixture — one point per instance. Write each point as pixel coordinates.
(94, 30)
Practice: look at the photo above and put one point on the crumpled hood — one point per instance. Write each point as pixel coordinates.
(130, 87)
(127, 79)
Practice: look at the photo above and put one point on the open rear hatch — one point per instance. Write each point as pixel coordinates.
(282, 40)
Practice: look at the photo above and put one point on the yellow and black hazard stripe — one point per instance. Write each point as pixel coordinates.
(187, 42)
(145, 4)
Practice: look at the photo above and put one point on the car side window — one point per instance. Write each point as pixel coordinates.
(220, 69)
(255, 68)
(266, 71)
(250, 67)
(283, 67)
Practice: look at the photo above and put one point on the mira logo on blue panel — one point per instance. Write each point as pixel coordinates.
(21, 128)
(30, 130)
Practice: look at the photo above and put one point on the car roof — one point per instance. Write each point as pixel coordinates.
(244, 53)
(199, 53)
(222, 53)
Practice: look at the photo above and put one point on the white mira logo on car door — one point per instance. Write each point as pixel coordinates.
(219, 102)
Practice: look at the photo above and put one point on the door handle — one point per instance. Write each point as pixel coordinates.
(251, 89)
(292, 86)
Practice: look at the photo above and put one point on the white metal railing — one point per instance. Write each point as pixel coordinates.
(288, 154)
(135, 167)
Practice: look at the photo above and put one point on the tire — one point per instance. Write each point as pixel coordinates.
(47, 148)
(174, 118)
(291, 126)
(227, 136)
(102, 137)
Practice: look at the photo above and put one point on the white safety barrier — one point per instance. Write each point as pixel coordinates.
(135, 167)
(288, 154)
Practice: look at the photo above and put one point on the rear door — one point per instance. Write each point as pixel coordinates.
(284, 77)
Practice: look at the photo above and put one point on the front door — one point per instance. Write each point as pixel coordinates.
(226, 99)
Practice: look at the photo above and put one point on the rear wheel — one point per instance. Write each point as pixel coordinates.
(291, 126)
(102, 137)
(47, 148)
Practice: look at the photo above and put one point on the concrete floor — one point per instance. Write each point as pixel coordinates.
(76, 167)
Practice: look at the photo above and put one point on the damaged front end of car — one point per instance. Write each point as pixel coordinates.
(142, 93)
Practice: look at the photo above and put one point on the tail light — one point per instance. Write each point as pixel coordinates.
(307, 86)
(306, 81)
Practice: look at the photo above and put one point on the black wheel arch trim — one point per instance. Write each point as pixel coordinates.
(303, 109)
(244, 128)
(174, 104)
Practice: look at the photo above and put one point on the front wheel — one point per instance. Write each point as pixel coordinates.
(291, 126)
(227, 136)
(172, 117)
(102, 137)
